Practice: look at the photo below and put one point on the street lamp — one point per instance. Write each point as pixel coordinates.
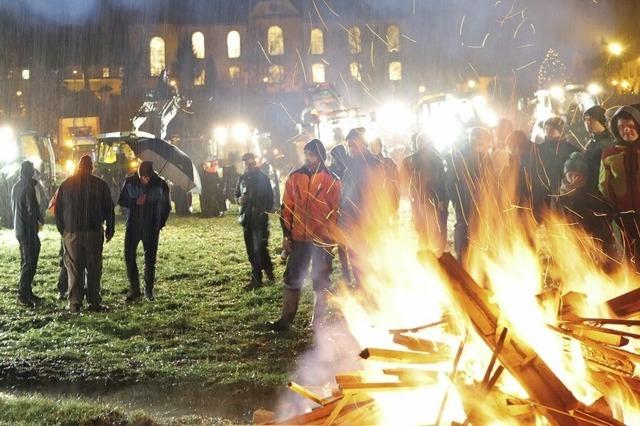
(615, 48)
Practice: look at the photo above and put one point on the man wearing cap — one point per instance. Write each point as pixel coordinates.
(85, 218)
(146, 197)
(255, 197)
(27, 221)
(309, 216)
(599, 140)
(546, 163)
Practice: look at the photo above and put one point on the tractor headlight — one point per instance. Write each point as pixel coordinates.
(8, 145)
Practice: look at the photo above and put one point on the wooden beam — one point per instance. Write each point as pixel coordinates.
(626, 304)
(540, 383)
(390, 355)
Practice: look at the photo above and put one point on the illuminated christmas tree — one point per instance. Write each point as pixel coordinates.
(552, 71)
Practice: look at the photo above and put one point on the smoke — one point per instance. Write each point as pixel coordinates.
(334, 351)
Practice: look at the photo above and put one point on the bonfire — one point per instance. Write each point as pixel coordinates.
(528, 331)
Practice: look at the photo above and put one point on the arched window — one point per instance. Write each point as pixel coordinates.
(317, 71)
(275, 41)
(355, 71)
(355, 45)
(197, 44)
(200, 79)
(276, 74)
(395, 71)
(234, 73)
(393, 38)
(233, 44)
(317, 41)
(157, 60)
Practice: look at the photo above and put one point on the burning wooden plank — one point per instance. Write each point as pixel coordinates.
(305, 393)
(542, 385)
(405, 357)
(625, 305)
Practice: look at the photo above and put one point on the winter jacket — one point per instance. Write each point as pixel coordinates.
(363, 195)
(153, 214)
(545, 170)
(255, 195)
(597, 143)
(423, 174)
(310, 205)
(620, 169)
(84, 204)
(27, 215)
(591, 211)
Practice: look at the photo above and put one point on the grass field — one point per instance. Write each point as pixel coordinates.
(203, 328)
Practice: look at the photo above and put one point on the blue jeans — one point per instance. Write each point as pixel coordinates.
(302, 254)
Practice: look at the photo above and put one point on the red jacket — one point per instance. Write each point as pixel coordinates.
(310, 205)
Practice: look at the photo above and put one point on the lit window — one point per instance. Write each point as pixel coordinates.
(200, 79)
(105, 72)
(393, 38)
(317, 70)
(354, 40)
(234, 73)
(26, 74)
(317, 41)
(121, 72)
(197, 44)
(233, 44)
(156, 56)
(395, 71)
(275, 38)
(276, 74)
(355, 71)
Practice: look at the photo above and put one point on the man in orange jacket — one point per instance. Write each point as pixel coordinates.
(309, 216)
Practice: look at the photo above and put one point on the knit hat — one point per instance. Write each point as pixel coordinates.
(316, 147)
(145, 169)
(576, 163)
(27, 170)
(596, 112)
(555, 123)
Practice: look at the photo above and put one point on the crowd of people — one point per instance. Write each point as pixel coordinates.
(339, 202)
(85, 217)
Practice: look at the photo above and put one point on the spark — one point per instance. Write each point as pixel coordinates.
(304, 72)
(474, 70)
(377, 35)
(264, 52)
(409, 38)
(484, 42)
(526, 65)
(329, 7)
(287, 112)
(515, 34)
(319, 15)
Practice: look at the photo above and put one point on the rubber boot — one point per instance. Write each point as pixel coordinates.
(290, 301)
(319, 308)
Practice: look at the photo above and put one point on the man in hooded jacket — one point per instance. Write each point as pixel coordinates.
(620, 178)
(27, 222)
(146, 197)
(309, 217)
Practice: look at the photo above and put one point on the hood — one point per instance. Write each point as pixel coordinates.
(612, 123)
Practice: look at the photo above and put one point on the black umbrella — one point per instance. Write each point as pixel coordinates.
(170, 162)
